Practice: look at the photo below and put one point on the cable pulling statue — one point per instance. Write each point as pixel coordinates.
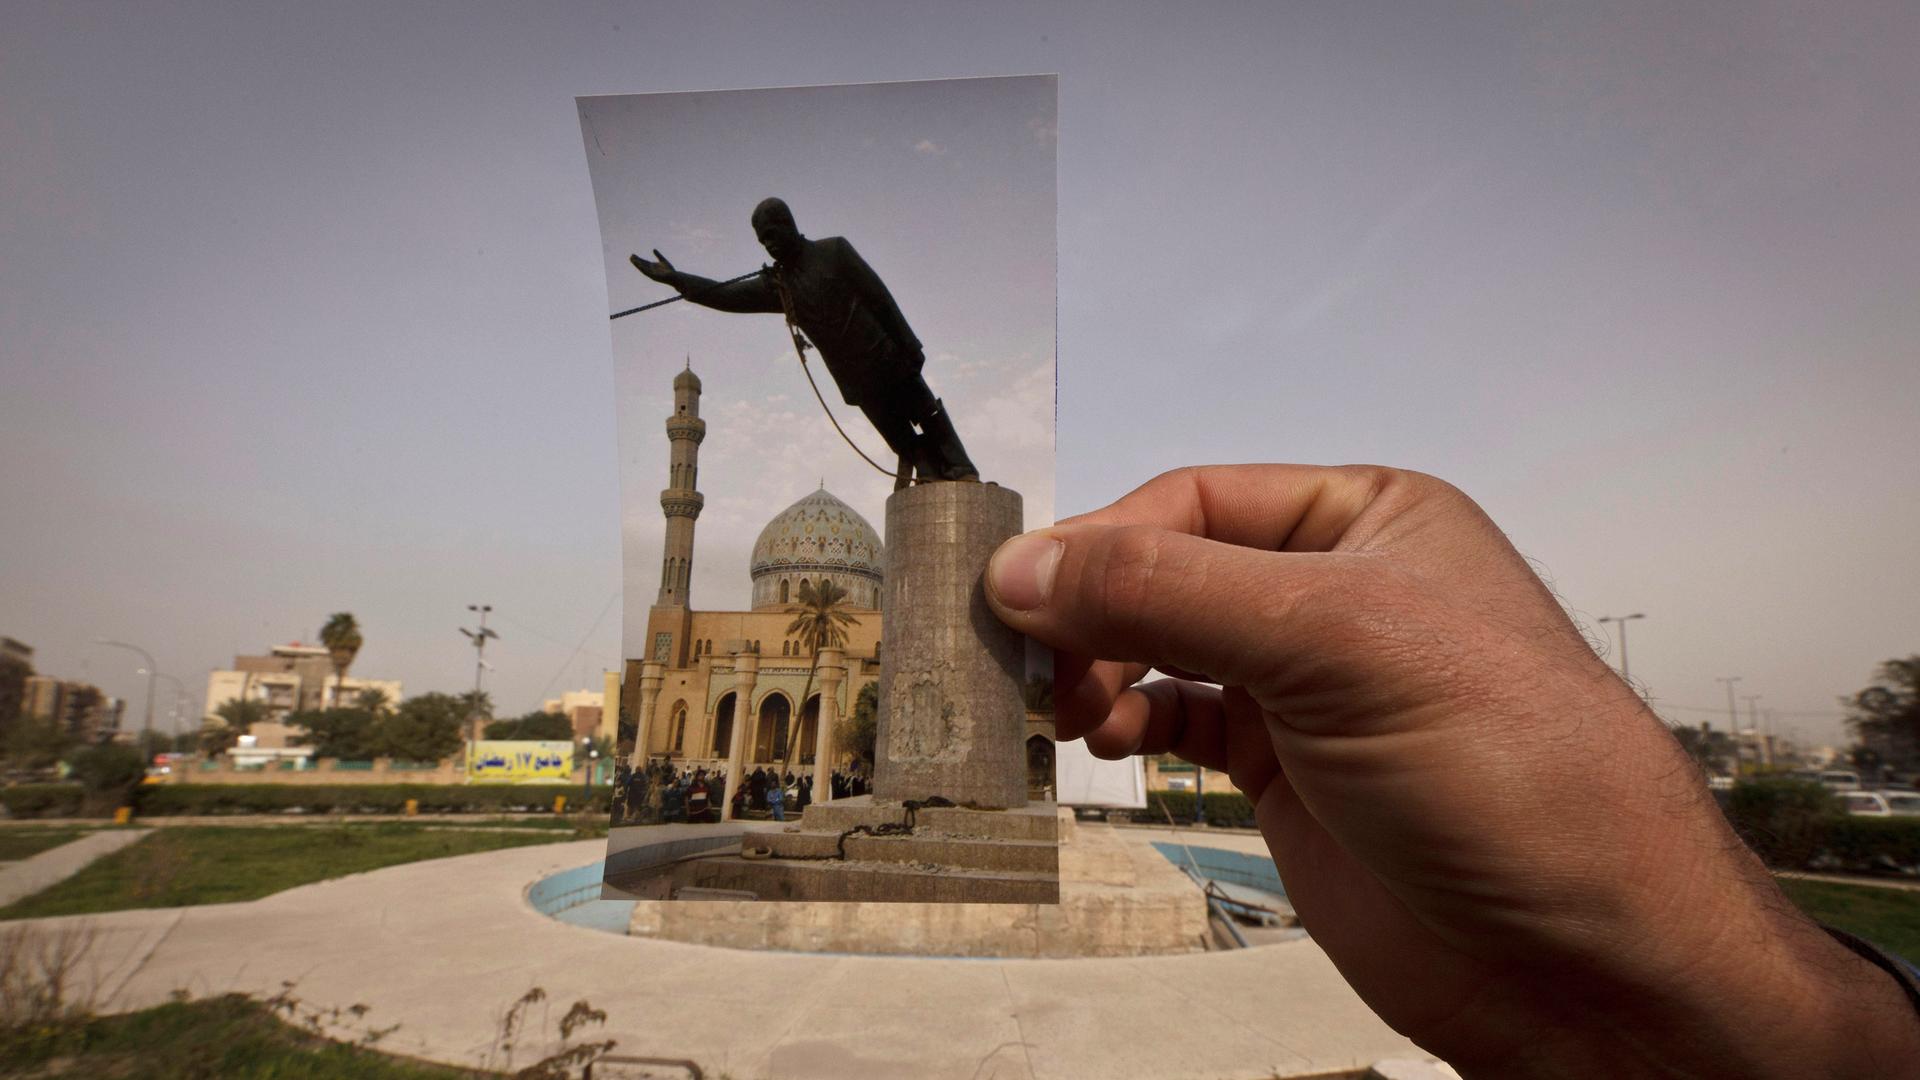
(826, 290)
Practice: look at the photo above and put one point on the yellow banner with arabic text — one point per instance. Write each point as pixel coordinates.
(501, 761)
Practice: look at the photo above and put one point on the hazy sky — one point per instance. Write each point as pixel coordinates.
(945, 187)
(302, 307)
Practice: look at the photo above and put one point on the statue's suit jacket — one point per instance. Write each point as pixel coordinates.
(844, 309)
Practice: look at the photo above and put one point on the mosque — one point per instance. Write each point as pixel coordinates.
(706, 671)
(701, 663)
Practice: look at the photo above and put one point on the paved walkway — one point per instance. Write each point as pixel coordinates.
(54, 865)
(1852, 879)
(30, 875)
(442, 948)
(278, 819)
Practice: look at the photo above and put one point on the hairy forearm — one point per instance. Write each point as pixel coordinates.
(1805, 1011)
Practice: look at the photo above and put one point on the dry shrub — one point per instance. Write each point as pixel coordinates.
(47, 984)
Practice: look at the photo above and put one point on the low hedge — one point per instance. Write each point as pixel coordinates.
(1800, 825)
(1223, 808)
(213, 799)
(1873, 843)
(43, 800)
(1786, 822)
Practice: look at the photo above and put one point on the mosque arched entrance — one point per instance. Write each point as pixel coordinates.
(809, 731)
(770, 740)
(1039, 767)
(723, 725)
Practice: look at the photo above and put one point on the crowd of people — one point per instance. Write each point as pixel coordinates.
(659, 793)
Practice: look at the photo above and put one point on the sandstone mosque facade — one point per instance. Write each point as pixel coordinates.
(705, 671)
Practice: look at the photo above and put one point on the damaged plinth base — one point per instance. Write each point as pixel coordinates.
(856, 849)
(1117, 897)
(951, 721)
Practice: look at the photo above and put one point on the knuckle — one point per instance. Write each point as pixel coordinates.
(1130, 567)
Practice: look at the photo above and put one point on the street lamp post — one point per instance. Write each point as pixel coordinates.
(589, 756)
(179, 693)
(479, 638)
(1622, 620)
(1753, 722)
(1733, 719)
(146, 731)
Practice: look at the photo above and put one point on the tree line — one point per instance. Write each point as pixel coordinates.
(427, 727)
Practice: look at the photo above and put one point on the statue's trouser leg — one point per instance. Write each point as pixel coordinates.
(895, 428)
(935, 451)
(941, 447)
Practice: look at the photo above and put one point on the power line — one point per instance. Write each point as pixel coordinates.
(542, 635)
(604, 608)
(1721, 710)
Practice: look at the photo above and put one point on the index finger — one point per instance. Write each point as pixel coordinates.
(1270, 507)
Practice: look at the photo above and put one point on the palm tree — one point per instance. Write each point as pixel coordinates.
(234, 718)
(341, 636)
(478, 704)
(819, 621)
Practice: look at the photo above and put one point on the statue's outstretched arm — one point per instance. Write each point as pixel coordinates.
(755, 294)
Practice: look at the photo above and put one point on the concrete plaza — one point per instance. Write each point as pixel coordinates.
(443, 948)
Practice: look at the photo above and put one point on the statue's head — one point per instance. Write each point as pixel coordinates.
(773, 225)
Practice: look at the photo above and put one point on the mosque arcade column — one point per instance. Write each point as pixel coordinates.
(746, 672)
(833, 671)
(652, 673)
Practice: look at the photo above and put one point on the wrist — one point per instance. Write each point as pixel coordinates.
(1767, 994)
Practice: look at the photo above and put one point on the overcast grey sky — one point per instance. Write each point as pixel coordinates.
(945, 187)
(302, 309)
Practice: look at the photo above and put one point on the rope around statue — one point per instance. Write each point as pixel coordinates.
(837, 307)
(800, 347)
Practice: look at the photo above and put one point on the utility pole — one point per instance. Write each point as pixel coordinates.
(479, 638)
(1733, 719)
(1622, 620)
(146, 731)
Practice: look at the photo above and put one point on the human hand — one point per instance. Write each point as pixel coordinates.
(661, 271)
(1505, 853)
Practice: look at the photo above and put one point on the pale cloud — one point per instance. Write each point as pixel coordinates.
(1009, 431)
(691, 238)
(928, 146)
(1332, 290)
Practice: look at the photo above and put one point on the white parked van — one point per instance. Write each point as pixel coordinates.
(1865, 804)
(1840, 780)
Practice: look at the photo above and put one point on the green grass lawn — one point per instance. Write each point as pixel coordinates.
(24, 843)
(229, 1037)
(179, 865)
(1890, 918)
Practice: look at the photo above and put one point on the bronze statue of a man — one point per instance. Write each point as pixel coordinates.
(827, 290)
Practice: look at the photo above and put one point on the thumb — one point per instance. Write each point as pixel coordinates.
(1164, 598)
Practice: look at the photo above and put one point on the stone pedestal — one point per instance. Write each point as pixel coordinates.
(1116, 895)
(952, 721)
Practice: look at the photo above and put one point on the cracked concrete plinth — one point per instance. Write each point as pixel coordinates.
(952, 721)
(854, 850)
(1114, 899)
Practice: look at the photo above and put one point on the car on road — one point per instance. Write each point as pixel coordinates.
(1902, 803)
(1866, 804)
(1840, 780)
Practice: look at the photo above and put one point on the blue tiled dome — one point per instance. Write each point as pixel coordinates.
(817, 537)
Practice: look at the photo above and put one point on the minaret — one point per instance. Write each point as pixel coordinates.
(681, 501)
